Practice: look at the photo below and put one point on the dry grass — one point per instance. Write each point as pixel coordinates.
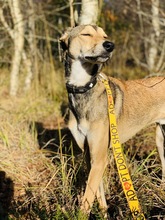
(145, 169)
(48, 183)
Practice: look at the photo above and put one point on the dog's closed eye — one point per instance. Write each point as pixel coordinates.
(85, 34)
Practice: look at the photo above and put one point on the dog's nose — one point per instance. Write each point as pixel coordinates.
(109, 46)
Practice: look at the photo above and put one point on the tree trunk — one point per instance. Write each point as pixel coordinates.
(18, 45)
(89, 12)
(30, 61)
(153, 48)
(72, 24)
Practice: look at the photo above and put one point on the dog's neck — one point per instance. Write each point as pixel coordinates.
(78, 73)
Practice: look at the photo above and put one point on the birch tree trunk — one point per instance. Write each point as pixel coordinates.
(30, 61)
(18, 33)
(89, 12)
(153, 48)
(72, 24)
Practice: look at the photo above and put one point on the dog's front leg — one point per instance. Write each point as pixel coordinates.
(94, 180)
(98, 144)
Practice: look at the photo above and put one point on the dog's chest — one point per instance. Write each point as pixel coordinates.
(88, 106)
(79, 105)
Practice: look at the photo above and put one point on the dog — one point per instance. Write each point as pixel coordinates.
(138, 103)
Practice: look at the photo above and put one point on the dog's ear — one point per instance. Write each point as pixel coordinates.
(64, 39)
(63, 44)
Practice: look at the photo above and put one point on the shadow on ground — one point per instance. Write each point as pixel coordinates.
(53, 139)
(6, 195)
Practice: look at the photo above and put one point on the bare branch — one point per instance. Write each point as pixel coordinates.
(5, 24)
(161, 62)
(140, 15)
(138, 62)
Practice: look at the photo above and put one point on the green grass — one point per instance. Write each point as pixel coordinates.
(48, 183)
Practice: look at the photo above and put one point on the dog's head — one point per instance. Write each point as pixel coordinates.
(88, 43)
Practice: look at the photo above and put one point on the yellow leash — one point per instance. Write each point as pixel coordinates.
(125, 178)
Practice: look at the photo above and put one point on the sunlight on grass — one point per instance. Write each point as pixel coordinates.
(49, 182)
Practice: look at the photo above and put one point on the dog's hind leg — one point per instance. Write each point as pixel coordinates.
(160, 141)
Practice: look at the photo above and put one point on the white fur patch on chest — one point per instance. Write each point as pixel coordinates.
(79, 76)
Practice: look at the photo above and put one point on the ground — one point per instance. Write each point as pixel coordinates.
(42, 171)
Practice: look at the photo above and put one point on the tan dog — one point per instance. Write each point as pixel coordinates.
(138, 103)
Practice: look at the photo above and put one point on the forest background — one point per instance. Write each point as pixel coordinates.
(42, 174)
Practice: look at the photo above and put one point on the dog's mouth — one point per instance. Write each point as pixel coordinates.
(97, 59)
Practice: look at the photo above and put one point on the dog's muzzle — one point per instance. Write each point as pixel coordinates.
(108, 46)
(103, 55)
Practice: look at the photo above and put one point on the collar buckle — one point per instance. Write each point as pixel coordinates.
(81, 89)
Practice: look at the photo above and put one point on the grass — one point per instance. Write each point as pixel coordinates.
(42, 174)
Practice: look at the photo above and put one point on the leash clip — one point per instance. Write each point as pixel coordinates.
(102, 77)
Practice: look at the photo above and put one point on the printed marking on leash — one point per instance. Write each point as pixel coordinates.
(124, 176)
